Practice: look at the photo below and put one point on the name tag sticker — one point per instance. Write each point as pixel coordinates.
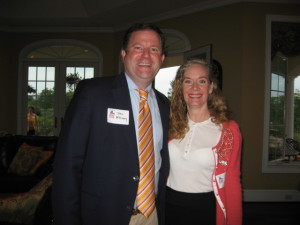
(118, 116)
(221, 180)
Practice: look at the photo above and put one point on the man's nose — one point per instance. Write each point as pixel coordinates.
(146, 53)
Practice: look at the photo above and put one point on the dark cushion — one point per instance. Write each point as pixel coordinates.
(9, 145)
(28, 159)
(21, 208)
(25, 159)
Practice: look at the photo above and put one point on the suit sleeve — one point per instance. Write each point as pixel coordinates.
(233, 193)
(69, 160)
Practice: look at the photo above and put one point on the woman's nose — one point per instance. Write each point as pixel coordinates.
(195, 85)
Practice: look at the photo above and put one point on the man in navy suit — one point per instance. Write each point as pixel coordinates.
(96, 167)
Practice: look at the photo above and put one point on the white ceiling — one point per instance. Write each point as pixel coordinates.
(97, 15)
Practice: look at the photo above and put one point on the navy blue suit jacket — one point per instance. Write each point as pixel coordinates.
(96, 161)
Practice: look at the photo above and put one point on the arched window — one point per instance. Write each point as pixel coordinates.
(49, 73)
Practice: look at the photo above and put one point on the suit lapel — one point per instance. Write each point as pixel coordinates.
(122, 100)
(121, 93)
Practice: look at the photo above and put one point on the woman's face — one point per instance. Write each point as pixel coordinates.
(196, 86)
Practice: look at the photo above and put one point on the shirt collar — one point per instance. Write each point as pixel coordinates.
(133, 86)
(191, 122)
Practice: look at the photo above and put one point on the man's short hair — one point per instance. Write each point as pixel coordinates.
(143, 26)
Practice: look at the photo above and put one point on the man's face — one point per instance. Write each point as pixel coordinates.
(143, 57)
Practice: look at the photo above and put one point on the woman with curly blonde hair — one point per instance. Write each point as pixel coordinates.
(205, 147)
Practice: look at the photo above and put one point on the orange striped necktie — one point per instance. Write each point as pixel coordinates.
(145, 195)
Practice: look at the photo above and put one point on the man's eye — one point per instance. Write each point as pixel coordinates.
(154, 50)
(138, 48)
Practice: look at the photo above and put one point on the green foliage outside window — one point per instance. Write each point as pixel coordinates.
(44, 102)
(43, 105)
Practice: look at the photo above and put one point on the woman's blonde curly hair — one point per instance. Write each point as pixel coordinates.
(178, 115)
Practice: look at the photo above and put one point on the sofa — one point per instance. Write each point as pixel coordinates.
(26, 178)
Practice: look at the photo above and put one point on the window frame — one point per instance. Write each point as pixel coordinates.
(266, 168)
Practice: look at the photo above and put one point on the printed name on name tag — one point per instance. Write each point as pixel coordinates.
(118, 116)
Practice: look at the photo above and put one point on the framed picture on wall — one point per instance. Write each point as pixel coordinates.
(204, 52)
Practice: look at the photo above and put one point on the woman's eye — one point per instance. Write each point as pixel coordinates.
(188, 82)
(202, 82)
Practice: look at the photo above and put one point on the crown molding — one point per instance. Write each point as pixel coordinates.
(168, 15)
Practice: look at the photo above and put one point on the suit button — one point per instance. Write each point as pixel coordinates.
(136, 178)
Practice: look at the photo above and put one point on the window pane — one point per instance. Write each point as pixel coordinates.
(32, 73)
(41, 75)
(31, 87)
(40, 87)
(70, 70)
(274, 94)
(89, 72)
(50, 85)
(281, 83)
(80, 71)
(50, 74)
(274, 82)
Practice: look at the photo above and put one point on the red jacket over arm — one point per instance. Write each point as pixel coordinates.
(226, 177)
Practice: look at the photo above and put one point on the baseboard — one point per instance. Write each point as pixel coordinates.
(251, 195)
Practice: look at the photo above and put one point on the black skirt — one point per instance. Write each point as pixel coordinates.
(190, 208)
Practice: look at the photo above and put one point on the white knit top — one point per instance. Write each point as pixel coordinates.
(191, 159)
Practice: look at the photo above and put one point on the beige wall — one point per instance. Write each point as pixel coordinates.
(237, 33)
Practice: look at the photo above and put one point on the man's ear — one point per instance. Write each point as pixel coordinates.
(123, 53)
(163, 58)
